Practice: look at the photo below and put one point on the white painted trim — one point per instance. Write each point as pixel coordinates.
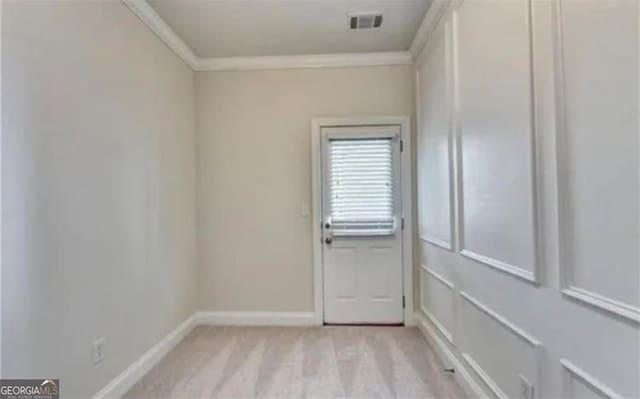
(1, 208)
(515, 330)
(447, 245)
(603, 302)
(462, 375)
(571, 371)
(132, 374)
(437, 242)
(241, 318)
(439, 326)
(524, 274)
(407, 203)
(431, 19)
(304, 61)
(143, 10)
(316, 214)
(484, 377)
(452, 51)
(438, 277)
(147, 14)
(568, 288)
(534, 343)
(434, 320)
(499, 265)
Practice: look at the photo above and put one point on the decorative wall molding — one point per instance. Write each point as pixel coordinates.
(484, 377)
(147, 14)
(523, 274)
(610, 305)
(434, 320)
(438, 277)
(132, 374)
(437, 242)
(497, 264)
(224, 318)
(534, 344)
(568, 288)
(462, 375)
(439, 23)
(515, 330)
(571, 372)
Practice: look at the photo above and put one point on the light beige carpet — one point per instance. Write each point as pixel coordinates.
(314, 362)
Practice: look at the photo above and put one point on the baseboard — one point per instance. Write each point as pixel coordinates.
(461, 374)
(132, 374)
(257, 318)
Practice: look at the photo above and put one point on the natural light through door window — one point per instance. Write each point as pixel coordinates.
(361, 186)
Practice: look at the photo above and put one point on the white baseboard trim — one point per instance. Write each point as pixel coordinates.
(461, 374)
(240, 318)
(132, 374)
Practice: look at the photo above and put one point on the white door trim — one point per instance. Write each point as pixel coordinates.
(406, 170)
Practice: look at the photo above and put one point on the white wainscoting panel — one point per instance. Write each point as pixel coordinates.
(496, 133)
(497, 350)
(598, 155)
(435, 171)
(438, 302)
(578, 384)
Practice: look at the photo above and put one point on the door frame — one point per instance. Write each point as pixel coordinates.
(406, 177)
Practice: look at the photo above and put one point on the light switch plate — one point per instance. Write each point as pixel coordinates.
(304, 210)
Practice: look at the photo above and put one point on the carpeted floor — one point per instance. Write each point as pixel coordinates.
(314, 362)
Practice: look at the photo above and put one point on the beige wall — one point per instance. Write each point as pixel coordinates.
(98, 191)
(254, 175)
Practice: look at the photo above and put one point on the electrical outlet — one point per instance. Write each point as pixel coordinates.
(526, 388)
(98, 350)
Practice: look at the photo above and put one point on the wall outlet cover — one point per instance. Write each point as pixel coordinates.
(98, 350)
(526, 388)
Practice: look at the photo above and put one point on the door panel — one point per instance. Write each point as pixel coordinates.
(345, 276)
(362, 240)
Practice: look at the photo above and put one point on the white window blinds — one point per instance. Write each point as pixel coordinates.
(361, 191)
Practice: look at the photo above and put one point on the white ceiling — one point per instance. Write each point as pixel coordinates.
(243, 28)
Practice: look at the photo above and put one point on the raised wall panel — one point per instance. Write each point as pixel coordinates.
(434, 141)
(495, 113)
(498, 351)
(597, 153)
(578, 384)
(437, 301)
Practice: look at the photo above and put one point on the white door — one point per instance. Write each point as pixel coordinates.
(362, 222)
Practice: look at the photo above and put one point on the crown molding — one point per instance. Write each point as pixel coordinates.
(147, 14)
(304, 61)
(143, 10)
(435, 12)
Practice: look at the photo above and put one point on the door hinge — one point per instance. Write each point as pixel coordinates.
(402, 223)
(404, 302)
(401, 145)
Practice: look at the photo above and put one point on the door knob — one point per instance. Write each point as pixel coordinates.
(328, 240)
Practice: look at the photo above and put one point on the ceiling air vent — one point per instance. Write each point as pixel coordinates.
(365, 20)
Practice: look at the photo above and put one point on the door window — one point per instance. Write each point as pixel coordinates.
(361, 186)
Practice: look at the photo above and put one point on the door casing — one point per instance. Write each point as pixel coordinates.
(406, 177)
